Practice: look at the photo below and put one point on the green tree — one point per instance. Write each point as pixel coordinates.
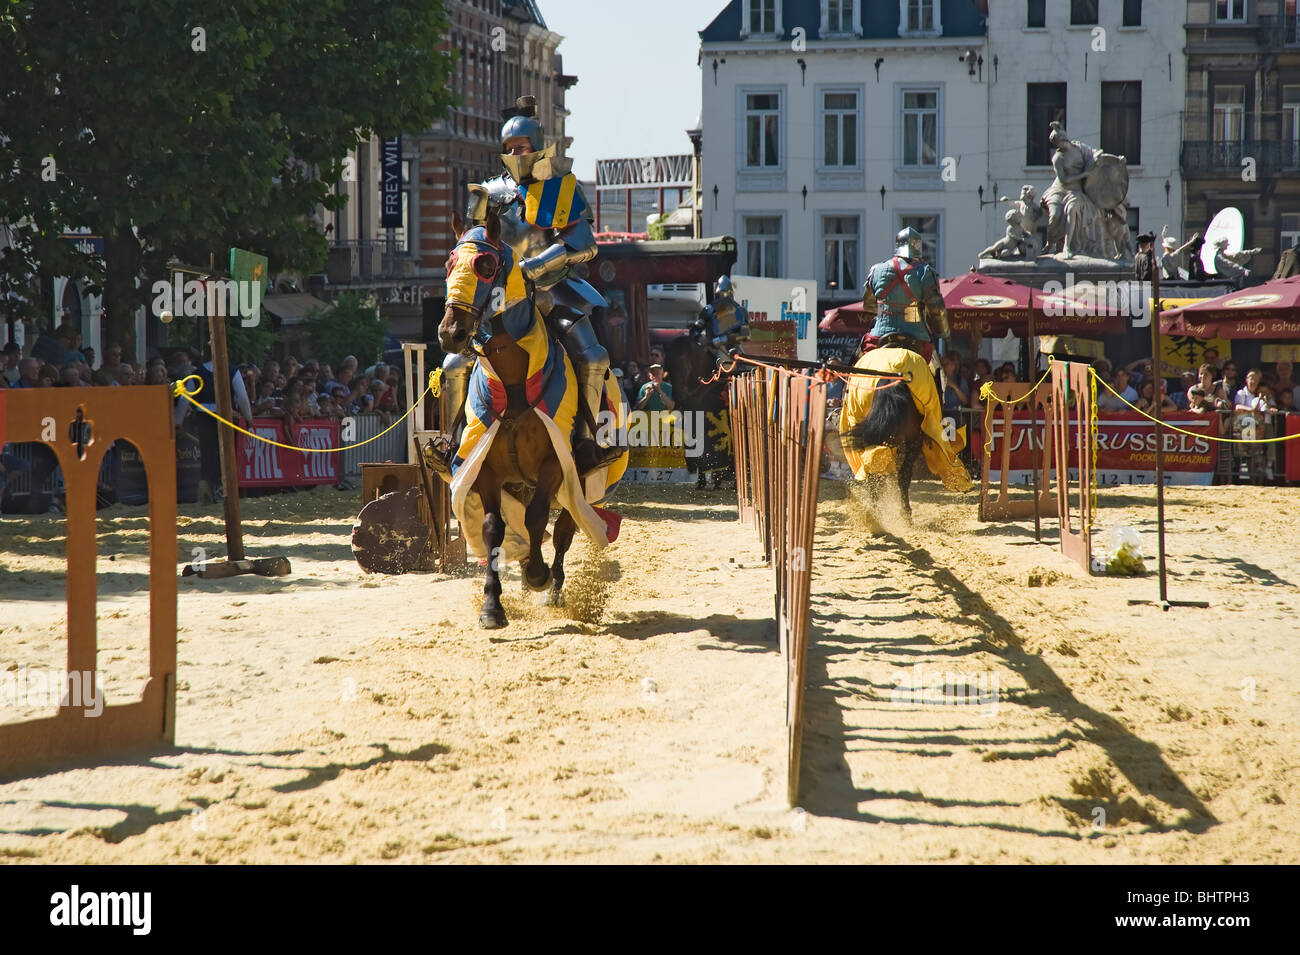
(352, 326)
(183, 127)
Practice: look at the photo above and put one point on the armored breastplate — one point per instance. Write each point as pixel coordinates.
(524, 238)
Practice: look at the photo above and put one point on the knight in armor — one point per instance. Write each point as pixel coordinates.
(546, 220)
(724, 321)
(903, 294)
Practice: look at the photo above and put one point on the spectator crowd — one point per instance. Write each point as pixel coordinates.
(291, 391)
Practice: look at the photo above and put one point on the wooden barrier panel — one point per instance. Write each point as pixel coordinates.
(778, 428)
(1072, 412)
(1018, 396)
(143, 416)
(422, 425)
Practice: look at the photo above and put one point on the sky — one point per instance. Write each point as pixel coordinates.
(638, 86)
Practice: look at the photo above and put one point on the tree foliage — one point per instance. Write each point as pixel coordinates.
(183, 127)
(351, 327)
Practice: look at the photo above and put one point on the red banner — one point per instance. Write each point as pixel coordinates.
(1126, 449)
(265, 465)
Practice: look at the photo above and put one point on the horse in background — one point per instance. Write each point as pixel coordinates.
(485, 314)
(893, 422)
(692, 368)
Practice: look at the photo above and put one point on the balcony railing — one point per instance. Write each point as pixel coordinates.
(1275, 34)
(1219, 157)
(366, 260)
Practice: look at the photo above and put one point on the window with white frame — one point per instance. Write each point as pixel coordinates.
(920, 128)
(763, 246)
(840, 128)
(1290, 238)
(1230, 11)
(1230, 113)
(919, 17)
(762, 130)
(928, 225)
(762, 16)
(840, 248)
(839, 16)
(1291, 125)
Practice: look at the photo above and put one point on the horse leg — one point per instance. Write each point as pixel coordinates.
(563, 537)
(536, 574)
(911, 449)
(493, 615)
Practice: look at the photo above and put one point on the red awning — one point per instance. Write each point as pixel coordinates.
(1268, 311)
(994, 305)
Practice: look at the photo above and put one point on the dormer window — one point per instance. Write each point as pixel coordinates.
(919, 18)
(840, 17)
(762, 17)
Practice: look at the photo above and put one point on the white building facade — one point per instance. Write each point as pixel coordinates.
(1114, 72)
(829, 125)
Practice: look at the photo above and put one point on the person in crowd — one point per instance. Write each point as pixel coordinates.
(123, 375)
(1251, 397)
(656, 357)
(13, 356)
(1198, 401)
(69, 376)
(292, 366)
(1284, 370)
(88, 356)
(325, 380)
(270, 370)
(1147, 398)
(956, 392)
(155, 375)
(1211, 357)
(1185, 381)
(252, 377)
(385, 398)
(49, 376)
(1228, 385)
(656, 394)
(312, 372)
(266, 404)
(1209, 387)
(1107, 401)
(1138, 372)
(84, 373)
(1286, 401)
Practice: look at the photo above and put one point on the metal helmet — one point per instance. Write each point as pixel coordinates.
(908, 243)
(722, 287)
(522, 126)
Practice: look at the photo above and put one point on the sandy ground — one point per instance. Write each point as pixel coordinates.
(338, 717)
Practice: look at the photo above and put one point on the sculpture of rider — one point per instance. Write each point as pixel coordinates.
(546, 220)
(903, 294)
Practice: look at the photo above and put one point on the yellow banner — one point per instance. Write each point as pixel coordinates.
(1181, 353)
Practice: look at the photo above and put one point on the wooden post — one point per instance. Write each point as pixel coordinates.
(1033, 421)
(226, 439)
(1156, 410)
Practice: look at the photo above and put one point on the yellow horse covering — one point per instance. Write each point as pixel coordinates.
(940, 454)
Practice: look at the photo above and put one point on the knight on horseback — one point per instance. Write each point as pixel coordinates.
(903, 294)
(546, 220)
(884, 425)
(724, 310)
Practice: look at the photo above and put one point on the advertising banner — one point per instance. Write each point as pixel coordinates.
(780, 310)
(1126, 449)
(390, 186)
(265, 465)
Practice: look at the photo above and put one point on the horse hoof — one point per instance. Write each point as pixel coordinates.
(492, 618)
(555, 599)
(533, 583)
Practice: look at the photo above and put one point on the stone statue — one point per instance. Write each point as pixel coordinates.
(1014, 244)
(1232, 265)
(1088, 182)
(1116, 239)
(1030, 211)
(1174, 260)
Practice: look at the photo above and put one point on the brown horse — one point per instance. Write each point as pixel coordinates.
(521, 459)
(893, 422)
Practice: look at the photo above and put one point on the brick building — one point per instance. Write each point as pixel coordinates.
(505, 51)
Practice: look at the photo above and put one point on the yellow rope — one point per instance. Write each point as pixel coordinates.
(1193, 434)
(179, 390)
(986, 392)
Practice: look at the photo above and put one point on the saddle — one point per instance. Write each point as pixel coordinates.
(900, 340)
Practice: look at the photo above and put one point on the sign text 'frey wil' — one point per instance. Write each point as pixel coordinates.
(224, 298)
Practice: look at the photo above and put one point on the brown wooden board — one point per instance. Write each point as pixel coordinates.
(143, 416)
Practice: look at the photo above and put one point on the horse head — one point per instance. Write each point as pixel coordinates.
(478, 265)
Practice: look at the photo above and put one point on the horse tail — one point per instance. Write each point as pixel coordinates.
(891, 407)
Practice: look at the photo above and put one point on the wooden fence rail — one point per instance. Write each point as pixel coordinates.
(778, 424)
